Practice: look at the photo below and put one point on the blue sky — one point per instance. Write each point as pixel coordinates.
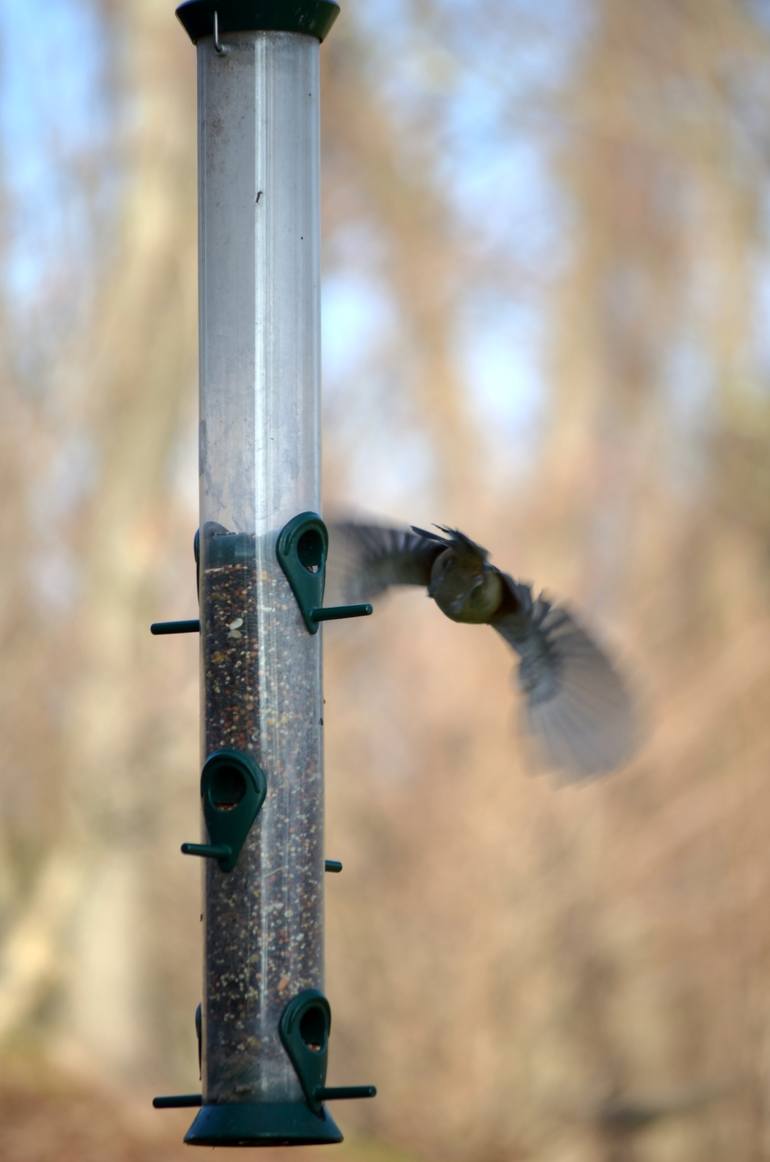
(51, 106)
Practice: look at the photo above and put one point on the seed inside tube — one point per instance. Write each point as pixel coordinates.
(263, 925)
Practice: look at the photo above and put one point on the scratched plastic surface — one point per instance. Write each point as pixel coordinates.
(261, 682)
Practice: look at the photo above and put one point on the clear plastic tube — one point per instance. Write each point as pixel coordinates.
(259, 466)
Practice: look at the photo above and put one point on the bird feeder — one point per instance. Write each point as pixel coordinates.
(261, 549)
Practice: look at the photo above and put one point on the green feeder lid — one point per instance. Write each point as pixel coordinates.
(312, 17)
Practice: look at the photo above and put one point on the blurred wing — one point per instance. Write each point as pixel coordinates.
(575, 703)
(365, 559)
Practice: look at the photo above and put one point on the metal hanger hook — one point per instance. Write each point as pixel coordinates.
(218, 46)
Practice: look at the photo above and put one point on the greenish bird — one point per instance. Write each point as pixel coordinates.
(576, 703)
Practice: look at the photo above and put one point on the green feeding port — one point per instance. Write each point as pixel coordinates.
(233, 789)
(302, 549)
(304, 1029)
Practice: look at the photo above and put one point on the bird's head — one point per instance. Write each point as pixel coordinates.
(462, 582)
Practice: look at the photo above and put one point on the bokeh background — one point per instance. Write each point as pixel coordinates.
(546, 317)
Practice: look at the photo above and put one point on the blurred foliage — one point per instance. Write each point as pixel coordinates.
(546, 271)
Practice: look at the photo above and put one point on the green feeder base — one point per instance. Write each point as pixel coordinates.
(264, 1124)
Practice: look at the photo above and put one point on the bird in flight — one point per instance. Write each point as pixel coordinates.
(575, 703)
